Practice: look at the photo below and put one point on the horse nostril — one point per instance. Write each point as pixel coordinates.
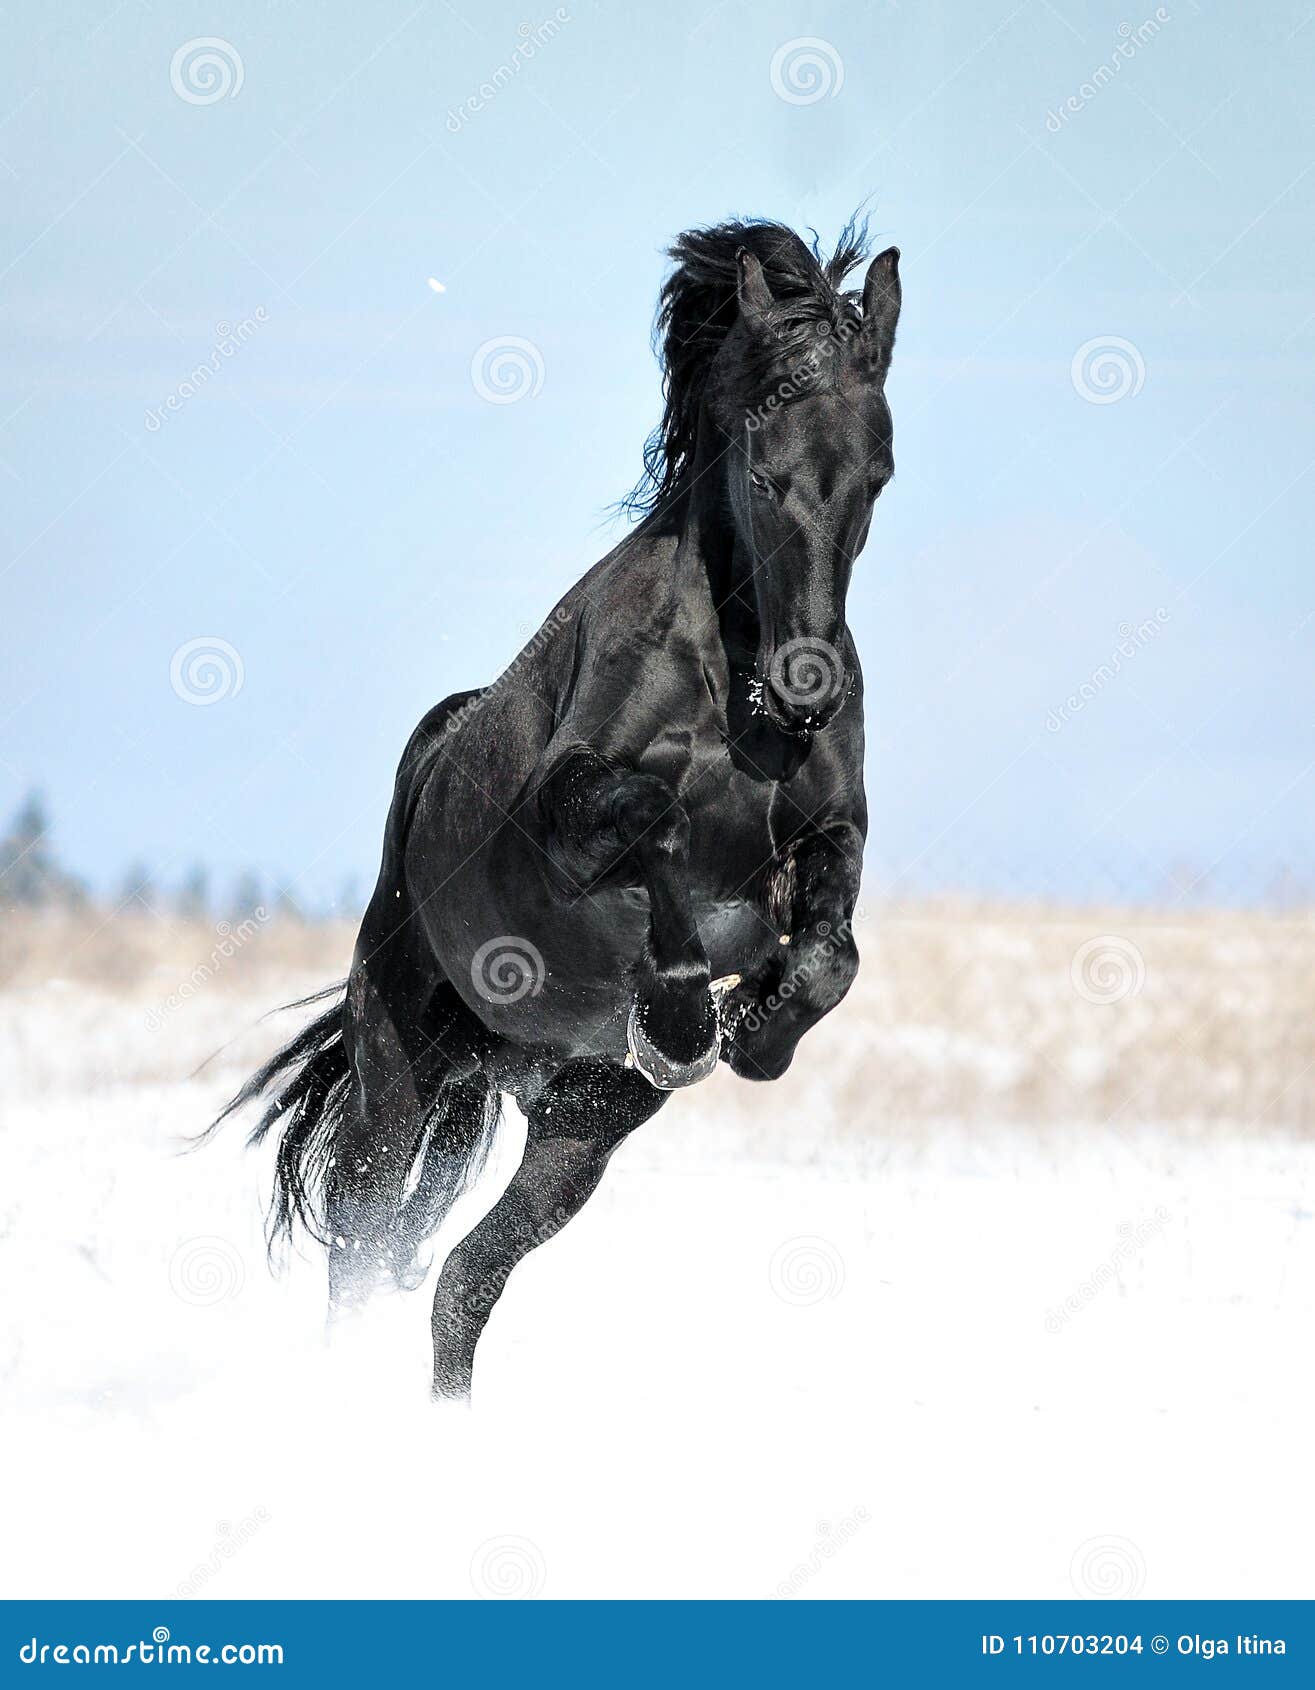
(807, 680)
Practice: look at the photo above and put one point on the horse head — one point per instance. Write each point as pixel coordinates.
(776, 428)
(803, 412)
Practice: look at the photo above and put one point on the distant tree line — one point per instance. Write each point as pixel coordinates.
(32, 877)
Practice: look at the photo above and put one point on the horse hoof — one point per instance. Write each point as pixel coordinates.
(663, 1071)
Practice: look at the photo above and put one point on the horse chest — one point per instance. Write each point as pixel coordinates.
(731, 838)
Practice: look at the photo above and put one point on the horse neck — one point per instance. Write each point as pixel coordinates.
(711, 548)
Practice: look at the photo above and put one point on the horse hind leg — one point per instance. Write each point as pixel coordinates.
(575, 1124)
(420, 1110)
(418, 1122)
(458, 1132)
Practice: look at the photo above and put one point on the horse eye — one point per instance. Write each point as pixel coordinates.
(760, 482)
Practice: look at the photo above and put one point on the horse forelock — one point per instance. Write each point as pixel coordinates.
(698, 307)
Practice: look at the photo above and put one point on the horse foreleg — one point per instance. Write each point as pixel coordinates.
(821, 962)
(574, 1126)
(602, 822)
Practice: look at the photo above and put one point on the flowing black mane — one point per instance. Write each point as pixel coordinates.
(697, 310)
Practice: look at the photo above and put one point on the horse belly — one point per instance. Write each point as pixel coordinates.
(539, 971)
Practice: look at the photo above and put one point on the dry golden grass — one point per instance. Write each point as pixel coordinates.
(132, 952)
(1121, 1015)
(964, 1013)
(89, 1002)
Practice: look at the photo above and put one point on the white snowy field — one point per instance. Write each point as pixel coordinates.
(1006, 1290)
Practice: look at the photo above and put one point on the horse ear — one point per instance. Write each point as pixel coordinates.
(881, 306)
(754, 294)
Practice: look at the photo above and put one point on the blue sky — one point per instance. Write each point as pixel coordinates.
(342, 508)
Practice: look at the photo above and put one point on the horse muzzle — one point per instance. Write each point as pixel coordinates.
(804, 683)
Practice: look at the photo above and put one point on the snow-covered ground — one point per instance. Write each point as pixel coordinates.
(799, 1344)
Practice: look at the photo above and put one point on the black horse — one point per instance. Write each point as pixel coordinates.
(639, 849)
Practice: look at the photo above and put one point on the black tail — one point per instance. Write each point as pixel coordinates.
(306, 1089)
(307, 1082)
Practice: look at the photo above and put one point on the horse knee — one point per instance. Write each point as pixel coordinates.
(646, 812)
